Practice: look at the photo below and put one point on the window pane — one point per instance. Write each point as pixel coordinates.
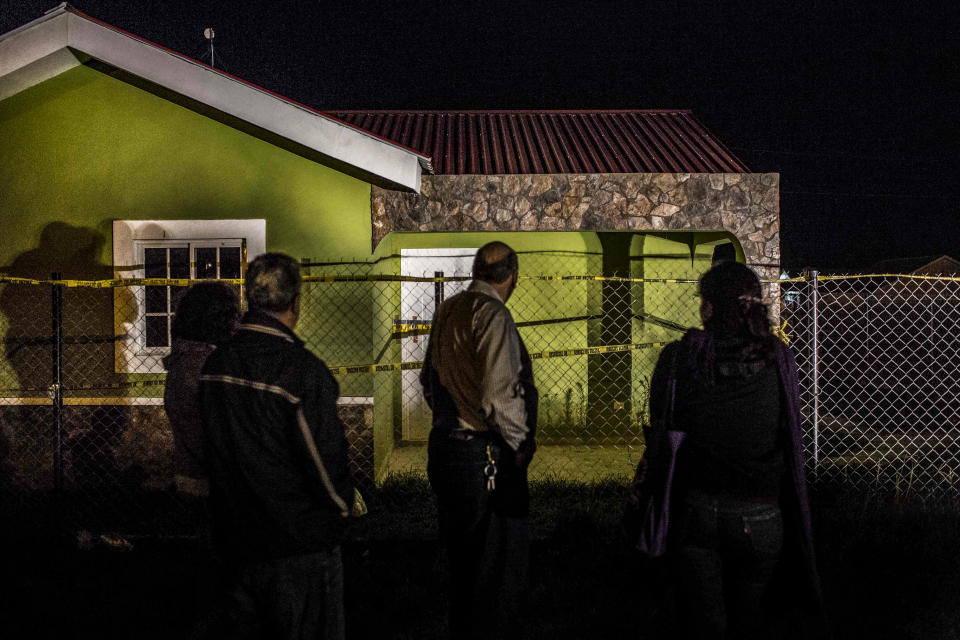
(207, 262)
(229, 262)
(155, 263)
(179, 262)
(156, 299)
(157, 331)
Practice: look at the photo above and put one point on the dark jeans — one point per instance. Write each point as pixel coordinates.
(487, 548)
(297, 597)
(724, 563)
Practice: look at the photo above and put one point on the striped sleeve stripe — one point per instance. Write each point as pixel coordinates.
(315, 454)
(260, 328)
(252, 384)
(301, 421)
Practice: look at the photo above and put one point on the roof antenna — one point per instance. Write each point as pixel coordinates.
(208, 34)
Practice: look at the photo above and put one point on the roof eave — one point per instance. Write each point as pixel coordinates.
(59, 40)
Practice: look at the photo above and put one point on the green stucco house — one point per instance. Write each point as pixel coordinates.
(123, 159)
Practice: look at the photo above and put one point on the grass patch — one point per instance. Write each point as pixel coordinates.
(889, 564)
(404, 508)
(889, 561)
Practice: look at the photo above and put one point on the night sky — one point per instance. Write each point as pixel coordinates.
(855, 106)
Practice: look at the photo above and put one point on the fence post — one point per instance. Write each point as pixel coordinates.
(815, 362)
(56, 386)
(437, 290)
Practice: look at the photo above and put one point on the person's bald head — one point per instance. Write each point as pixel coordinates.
(495, 262)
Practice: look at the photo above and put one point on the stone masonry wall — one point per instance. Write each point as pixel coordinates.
(747, 205)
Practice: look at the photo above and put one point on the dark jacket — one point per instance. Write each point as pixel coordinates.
(276, 449)
(181, 402)
(798, 577)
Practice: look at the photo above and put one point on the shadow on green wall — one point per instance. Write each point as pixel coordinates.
(91, 432)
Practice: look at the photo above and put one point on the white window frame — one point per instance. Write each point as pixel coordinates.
(139, 293)
(130, 238)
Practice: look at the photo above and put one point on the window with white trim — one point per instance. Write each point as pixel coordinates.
(194, 259)
(195, 249)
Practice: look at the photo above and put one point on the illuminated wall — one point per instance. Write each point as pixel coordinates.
(84, 148)
(557, 315)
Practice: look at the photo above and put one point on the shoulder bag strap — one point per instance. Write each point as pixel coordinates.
(669, 423)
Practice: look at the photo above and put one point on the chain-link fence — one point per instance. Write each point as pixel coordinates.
(879, 379)
(593, 329)
(82, 416)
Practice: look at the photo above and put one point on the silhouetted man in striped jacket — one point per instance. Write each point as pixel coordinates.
(280, 487)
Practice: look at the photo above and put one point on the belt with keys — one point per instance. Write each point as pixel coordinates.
(490, 471)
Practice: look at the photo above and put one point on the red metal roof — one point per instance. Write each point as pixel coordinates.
(504, 142)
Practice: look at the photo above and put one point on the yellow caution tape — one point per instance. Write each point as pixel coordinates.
(118, 282)
(395, 278)
(613, 348)
(539, 355)
(782, 333)
(376, 368)
(12, 280)
(143, 282)
(865, 276)
(132, 384)
(118, 385)
(612, 279)
(891, 275)
(383, 278)
(413, 365)
(186, 282)
(411, 328)
(359, 505)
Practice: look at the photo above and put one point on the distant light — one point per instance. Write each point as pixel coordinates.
(208, 33)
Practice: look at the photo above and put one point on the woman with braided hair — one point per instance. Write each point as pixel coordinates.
(740, 547)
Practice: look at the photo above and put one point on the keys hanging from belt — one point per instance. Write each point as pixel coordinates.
(490, 471)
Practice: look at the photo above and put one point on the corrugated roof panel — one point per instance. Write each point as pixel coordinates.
(508, 142)
(721, 153)
(520, 145)
(612, 141)
(576, 154)
(551, 156)
(568, 154)
(681, 141)
(635, 137)
(534, 150)
(635, 156)
(463, 160)
(653, 135)
(616, 160)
